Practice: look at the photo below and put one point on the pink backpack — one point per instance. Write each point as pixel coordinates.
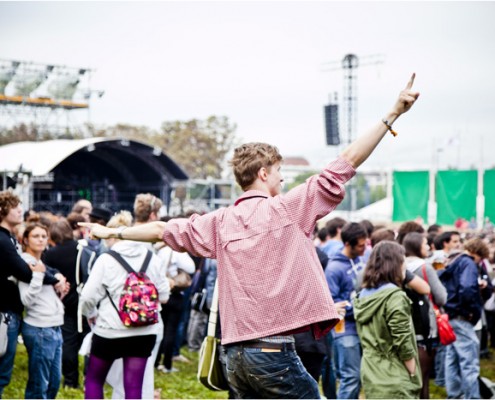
(139, 304)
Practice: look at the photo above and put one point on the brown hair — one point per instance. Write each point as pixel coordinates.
(407, 227)
(8, 201)
(477, 246)
(412, 243)
(60, 231)
(144, 205)
(81, 205)
(249, 158)
(29, 228)
(381, 234)
(73, 218)
(334, 225)
(384, 265)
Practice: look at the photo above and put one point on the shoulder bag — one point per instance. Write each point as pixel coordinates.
(4, 338)
(182, 280)
(446, 333)
(210, 373)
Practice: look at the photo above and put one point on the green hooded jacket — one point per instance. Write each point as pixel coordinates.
(387, 337)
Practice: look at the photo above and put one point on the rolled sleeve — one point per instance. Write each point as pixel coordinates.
(197, 235)
(319, 195)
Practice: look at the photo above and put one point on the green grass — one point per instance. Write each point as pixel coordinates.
(180, 385)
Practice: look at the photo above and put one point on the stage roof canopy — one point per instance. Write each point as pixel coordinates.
(42, 158)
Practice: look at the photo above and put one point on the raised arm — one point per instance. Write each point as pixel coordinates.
(150, 232)
(359, 150)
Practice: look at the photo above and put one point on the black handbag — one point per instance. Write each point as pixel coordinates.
(198, 301)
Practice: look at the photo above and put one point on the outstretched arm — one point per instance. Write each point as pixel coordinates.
(150, 232)
(359, 150)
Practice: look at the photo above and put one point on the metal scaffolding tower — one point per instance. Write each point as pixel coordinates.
(350, 64)
(42, 94)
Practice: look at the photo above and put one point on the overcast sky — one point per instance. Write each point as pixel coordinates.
(262, 65)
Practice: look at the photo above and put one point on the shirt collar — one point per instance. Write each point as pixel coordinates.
(251, 194)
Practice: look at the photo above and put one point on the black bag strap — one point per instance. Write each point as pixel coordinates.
(111, 301)
(126, 265)
(146, 262)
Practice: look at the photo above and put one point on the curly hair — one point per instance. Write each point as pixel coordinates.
(249, 158)
(8, 201)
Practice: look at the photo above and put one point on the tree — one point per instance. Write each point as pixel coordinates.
(131, 132)
(18, 133)
(200, 147)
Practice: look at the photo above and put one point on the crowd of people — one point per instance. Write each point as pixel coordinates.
(60, 287)
(350, 303)
(392, 281)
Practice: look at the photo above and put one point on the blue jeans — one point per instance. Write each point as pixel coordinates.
(328, 380)
(347, 351)
(440, 365)
(255, 374)
(7, 361)
(44, 348)
(462, 362)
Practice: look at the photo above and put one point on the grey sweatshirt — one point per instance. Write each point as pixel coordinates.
(43, 307)
(438, 291)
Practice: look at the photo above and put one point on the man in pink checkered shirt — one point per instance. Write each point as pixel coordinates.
(271, 284)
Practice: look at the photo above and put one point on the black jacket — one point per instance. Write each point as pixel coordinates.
(63, 257)
(11, 264)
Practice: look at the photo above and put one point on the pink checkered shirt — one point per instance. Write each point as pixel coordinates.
(270, 279)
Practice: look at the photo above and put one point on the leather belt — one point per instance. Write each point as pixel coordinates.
(266, 345)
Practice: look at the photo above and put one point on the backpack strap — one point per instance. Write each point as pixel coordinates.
(111, 301)
(78, 263)
(126, 265)
(121, 261)
(146, 262)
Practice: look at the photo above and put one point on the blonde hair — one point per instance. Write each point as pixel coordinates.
(123, 218)
(249, 158)
(144, 205)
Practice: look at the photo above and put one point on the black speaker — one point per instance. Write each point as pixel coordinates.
(332, 124)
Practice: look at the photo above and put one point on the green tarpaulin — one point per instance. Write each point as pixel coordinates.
(411, 191)
(489, 192)
(456, 195)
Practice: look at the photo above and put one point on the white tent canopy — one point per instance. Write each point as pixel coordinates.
(39, 158)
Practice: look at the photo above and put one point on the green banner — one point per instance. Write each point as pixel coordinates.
(456, 195)
(489, 192)
(411, 191)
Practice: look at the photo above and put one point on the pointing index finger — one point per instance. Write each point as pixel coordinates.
(411, 81)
